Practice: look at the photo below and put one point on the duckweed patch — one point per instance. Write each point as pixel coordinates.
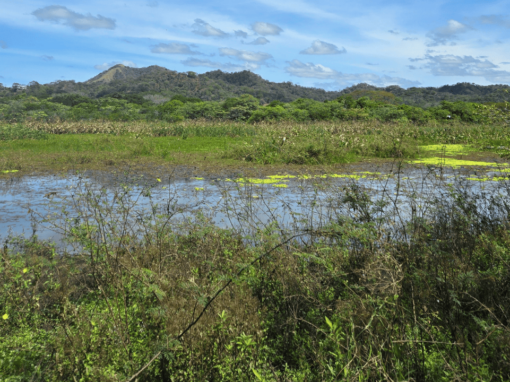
(489, 179)
(454, 163)
(448, 150)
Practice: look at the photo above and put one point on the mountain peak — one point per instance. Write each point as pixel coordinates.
(123, 72)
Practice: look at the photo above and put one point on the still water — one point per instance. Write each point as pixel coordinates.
(47, 205)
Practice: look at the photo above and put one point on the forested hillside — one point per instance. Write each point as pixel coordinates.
(159, 85)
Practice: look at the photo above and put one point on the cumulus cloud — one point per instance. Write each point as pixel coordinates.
(173, 48)
(47, 58)
(259, 41)
(58, 13)
(3, 44)
(152, 3)
(108, 65)
(266, 29)
(495, 20)
(245, 55)
(204, 29)
(309, 70)
(447, 33)
(320, 47)
(464, 66)
(219, 65)
(241, 34)
(412, 67)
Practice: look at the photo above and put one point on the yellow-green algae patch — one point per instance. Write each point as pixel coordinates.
(258, 181)
(8, 171)
(351, 176)
(280, 185)
(450, 150)
(281, 176)
(454, 163)
(487, 179)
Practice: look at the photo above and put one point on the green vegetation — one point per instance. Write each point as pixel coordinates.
(94, 144)
(375, 105)
(363, 296)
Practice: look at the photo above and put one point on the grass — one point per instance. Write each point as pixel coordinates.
(94, 144)
(101, 150)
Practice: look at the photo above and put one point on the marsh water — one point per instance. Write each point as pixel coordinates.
(48, 205)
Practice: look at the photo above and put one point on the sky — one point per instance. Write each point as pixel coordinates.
(332, 44)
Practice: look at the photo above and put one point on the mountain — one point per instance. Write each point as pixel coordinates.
(160, 84)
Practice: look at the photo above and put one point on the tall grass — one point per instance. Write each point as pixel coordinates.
(263, 143)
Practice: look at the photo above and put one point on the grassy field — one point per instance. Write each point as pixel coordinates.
(80, 145)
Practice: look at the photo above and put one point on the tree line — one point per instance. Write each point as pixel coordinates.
(357, 105)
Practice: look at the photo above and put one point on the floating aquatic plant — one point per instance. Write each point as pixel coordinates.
(454, 163)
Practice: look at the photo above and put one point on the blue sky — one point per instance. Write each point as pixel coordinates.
(330, 44)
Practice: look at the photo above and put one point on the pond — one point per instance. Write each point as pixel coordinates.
(48, 205)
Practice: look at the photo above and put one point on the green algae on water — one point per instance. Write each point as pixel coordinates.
(449, 150)
(454, 163)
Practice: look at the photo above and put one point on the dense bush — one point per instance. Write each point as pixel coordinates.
(366, 105)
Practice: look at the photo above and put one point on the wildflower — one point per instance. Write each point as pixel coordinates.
(159, 180)
(5, 316)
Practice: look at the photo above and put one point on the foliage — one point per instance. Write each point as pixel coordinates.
(357, 105)
(361, 296)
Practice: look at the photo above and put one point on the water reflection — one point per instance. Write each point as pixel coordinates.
(49, 205)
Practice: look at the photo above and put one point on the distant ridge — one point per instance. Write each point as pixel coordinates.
(159, 84)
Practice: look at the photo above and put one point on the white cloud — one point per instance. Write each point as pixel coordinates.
(466, 66)
(173, 48)
(266, 29)
(447, 33)
(320, 47)
(219, 65)
(310, 70)
(204, 29)
(259, 41)
(57, 13)
(108, 65)
(245, 55)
